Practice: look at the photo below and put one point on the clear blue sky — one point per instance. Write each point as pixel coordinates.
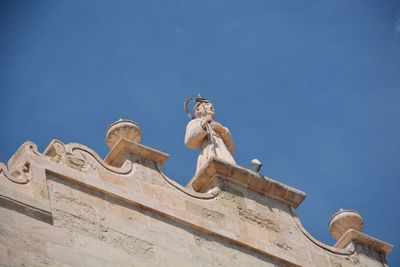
(311, 88)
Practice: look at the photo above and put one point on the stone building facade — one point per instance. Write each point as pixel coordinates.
(68, 207)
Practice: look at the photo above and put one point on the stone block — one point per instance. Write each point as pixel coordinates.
(74, 257)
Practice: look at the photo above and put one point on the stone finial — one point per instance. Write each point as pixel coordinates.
(344, 220)
(123, 129)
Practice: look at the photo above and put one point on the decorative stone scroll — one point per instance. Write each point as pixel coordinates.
(82, 158)
(20, 174)
(72, 158)
(19, 167)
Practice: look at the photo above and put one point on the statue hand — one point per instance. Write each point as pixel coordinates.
(217, 127)
(206, 119)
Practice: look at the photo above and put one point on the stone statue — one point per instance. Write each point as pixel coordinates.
(207, 135)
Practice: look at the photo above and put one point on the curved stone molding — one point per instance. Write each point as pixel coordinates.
(185, 190)
(18, 171)
(82, 158)
(340, 251)
(24, 188)
(32, 147)
(20, 174)
(74, 159)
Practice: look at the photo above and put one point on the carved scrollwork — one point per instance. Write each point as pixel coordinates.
(20, 174)
(32, 147)
(82, 158)
(73, 158)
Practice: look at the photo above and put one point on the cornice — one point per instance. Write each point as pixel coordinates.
(216, 168)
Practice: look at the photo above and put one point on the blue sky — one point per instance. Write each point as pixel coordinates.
(311, 88)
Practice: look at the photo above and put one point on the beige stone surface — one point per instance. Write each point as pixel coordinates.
(68, 207)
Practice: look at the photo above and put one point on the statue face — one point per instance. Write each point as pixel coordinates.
(205, 109)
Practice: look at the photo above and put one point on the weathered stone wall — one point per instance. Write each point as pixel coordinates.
(90, 228)
(73, 209)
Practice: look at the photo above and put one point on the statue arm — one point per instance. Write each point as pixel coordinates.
(195, 134)
(226, 136)
(228, 141)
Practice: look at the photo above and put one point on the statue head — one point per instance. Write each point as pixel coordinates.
(204, 108)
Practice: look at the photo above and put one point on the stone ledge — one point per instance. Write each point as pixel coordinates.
(117, 152)
(363, 239)
(26, 207)
(216, 168)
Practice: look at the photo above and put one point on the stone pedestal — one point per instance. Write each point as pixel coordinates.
(216, 170)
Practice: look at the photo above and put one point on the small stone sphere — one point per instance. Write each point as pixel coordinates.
(344, 220)
(123, 129)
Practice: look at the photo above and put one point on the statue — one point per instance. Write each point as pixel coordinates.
(207, 135)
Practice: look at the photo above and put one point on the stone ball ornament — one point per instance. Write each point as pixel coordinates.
(344, 220)
(123, 129)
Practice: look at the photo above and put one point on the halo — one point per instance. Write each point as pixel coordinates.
(198, 101)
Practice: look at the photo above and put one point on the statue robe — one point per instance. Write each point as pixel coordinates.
(197, 138)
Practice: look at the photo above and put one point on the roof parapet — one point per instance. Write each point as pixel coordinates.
(215, 168)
